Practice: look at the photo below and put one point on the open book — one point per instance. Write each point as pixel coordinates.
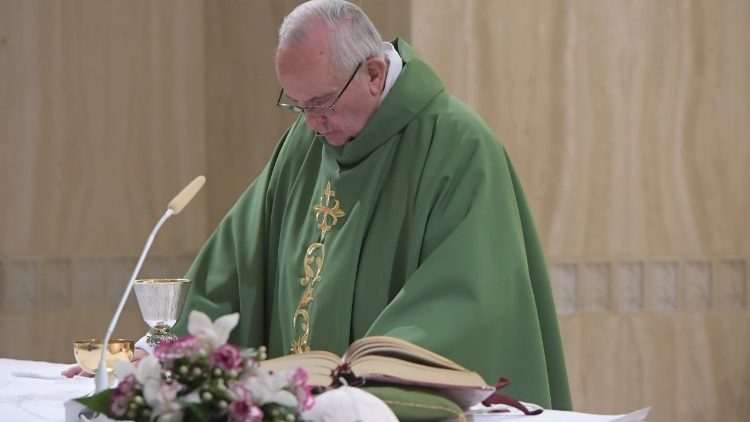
(388, 360)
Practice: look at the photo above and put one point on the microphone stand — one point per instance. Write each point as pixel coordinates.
(175, 206)
(101, 378)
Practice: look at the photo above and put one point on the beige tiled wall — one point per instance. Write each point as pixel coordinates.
(49, 302)
(660, 285)
(667, 332)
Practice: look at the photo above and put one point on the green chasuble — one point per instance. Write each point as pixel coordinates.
(417, 228)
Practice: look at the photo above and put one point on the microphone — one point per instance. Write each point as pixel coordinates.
(175, 206)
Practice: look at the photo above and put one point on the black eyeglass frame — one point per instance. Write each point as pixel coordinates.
(316, 109)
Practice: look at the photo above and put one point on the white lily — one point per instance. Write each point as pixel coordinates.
(213, 334)
(158, 395)
(149, 368)
(123, 369)
(161, 397)
(269, 388)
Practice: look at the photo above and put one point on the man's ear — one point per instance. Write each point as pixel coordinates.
(376, 69)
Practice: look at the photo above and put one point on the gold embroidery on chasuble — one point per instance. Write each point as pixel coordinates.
(327, 214)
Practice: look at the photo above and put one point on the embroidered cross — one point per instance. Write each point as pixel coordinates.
(325, 213)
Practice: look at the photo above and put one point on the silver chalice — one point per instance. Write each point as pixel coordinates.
(161, 301)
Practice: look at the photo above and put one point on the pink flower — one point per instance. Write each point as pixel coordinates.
(125, 386)
(256, 414)
(121, 396)
(298, 385)
(305, 398)
(298, 378)
(245, 411)
(227, 357)
(169, 351)
(118, 405)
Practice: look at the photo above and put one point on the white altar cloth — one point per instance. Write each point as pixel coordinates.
(35, 392)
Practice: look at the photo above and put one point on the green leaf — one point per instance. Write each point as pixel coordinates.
(198, 412)
(98, 402)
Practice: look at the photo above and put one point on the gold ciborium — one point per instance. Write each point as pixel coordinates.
(161, 301)
(88, 353)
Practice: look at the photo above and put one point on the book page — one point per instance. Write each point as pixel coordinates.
(397, 348)
(318, 364)
(389, 369)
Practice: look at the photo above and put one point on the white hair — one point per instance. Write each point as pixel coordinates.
(354, 38)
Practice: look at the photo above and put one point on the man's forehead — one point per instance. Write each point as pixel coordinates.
(305, 73)
(292, 59)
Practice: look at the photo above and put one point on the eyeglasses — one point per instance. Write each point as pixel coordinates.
(319, 110)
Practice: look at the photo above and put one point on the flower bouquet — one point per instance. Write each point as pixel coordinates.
(201, 378)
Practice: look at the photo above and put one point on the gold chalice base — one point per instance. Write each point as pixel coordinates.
(88, 353)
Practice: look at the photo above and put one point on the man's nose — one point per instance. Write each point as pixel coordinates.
(314, 122)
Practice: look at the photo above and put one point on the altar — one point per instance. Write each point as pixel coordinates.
(36, 392)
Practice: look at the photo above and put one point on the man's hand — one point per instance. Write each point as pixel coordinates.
(138, 354)
(74, 370)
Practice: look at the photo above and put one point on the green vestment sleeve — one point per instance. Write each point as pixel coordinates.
(218, 275)
(229, 272)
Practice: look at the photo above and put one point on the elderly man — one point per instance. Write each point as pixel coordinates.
(388, 208)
